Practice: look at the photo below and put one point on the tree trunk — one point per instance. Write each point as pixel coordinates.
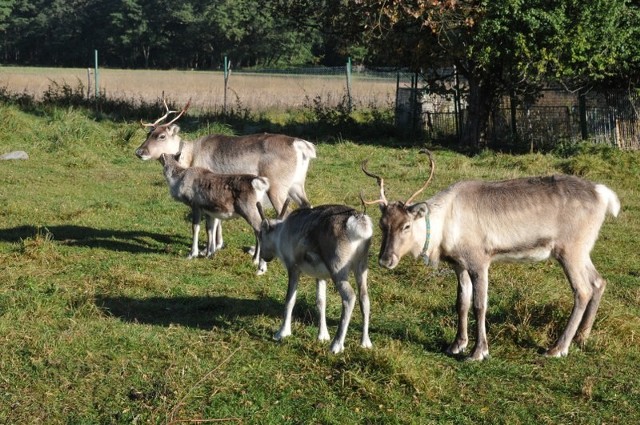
(480, 102)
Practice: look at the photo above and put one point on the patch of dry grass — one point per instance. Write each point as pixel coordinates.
(252, 91)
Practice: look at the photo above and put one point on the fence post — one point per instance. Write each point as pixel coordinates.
(457, 107)
(226, 79)
(514, 124)
(348, 69)
(582, 110)
(95, 58)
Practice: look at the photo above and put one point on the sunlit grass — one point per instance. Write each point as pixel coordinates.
(104, 320)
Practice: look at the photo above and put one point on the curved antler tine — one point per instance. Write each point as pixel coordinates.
(162, 118)
(379, 180)
(260, 211)
(181, 112)
(432, 165)
(284, 209)
(146, 124)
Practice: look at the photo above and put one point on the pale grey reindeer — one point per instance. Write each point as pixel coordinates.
(473, 223)
(327, 241)
(221, 196)
(284, 160)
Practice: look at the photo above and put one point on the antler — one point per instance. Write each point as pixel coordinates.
(260, 211)
(284, 209)
(424, 186)
(181, 112)
(383, 199)
(162, 118)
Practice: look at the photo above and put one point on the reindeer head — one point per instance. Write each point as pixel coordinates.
(162, 138)
(404, 229)
(268, 250)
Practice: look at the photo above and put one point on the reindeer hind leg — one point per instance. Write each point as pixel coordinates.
(583, 294)
(598, 285)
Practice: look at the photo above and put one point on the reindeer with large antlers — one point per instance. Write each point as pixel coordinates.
(473, 223)
(284, 160)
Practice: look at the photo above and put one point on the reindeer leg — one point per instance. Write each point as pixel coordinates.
(285, 329)
(210, 223)
(262, 265)
(363, 292)
(348, 302)
(480, 282)
(196, 214)
(299, 196)
(582, 296)
(463, 303)
(598, 284)
(321, 305)
(217, 227)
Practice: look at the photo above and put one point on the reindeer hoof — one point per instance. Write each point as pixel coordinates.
(337, 348)
(556, 352)
(456, 348)
(282, 334)
(324, 336)
(366, 343)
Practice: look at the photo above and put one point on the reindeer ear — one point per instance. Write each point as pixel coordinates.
(418, 210)
(173, 129)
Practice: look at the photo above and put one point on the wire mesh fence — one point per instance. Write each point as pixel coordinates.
(556, 117)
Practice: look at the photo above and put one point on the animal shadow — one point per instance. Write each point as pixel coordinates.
(89, 237)
(199, 312)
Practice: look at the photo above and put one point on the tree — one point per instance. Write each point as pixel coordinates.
(503, 46)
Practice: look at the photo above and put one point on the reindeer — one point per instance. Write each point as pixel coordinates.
(328, 241)
(221, 196)
(284, 160)
(473, 223)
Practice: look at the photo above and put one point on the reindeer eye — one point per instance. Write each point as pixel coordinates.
(406, 227)
(162, 136)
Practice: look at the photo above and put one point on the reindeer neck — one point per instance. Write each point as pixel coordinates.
(186, 153)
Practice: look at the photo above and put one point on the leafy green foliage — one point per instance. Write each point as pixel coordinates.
(103, 320)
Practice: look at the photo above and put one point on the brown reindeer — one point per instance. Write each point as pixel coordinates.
(220, 196)
(473, 223)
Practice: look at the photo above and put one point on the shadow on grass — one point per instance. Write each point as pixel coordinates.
(89, 237)
(200, 312)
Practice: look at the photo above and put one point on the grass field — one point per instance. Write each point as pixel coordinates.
(104, 320)
(256, 92)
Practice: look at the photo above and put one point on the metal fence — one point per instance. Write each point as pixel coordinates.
(556, 117)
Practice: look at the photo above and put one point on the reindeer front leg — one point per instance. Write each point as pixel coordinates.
(363, 292)
(321, 305)
(463, 303)
(292, 289)
(262, 265)
(196, 216)
(211, 224)
(480, 282)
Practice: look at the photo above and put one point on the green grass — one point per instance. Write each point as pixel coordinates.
(104, 320)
